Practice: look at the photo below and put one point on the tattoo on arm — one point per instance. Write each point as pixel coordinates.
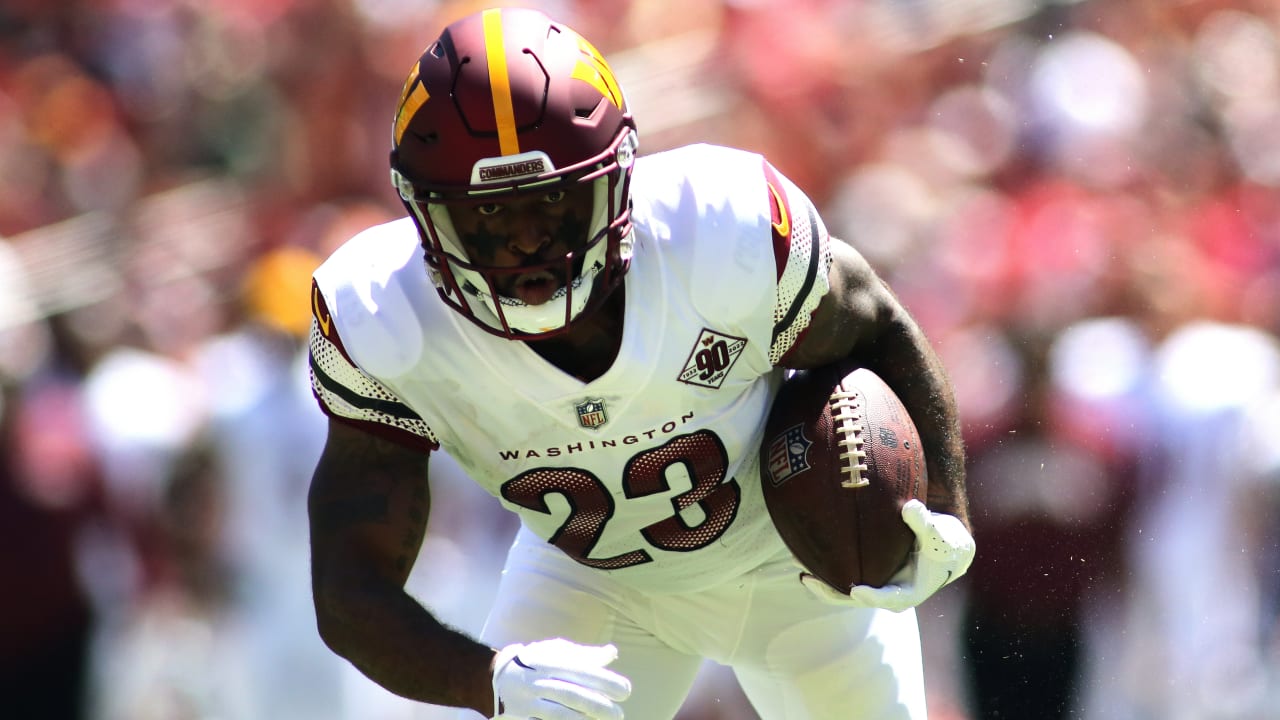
(334, 515)
(374, 492)
(418, 508)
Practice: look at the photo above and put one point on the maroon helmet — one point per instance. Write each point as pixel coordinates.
(508, 102)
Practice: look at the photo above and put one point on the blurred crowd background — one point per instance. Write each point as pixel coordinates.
(1080, 200)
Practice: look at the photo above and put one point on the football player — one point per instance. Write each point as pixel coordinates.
(596, 337)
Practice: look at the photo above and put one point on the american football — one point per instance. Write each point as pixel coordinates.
(840, 458)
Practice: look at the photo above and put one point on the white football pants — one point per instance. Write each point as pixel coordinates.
(795, 657)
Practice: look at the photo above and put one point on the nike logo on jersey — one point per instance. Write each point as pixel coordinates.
(782, 225)
(320, 312)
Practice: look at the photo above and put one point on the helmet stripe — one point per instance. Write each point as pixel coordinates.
(500, 83)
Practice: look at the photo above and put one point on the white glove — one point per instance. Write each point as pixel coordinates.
(557, 680)
(943, 552)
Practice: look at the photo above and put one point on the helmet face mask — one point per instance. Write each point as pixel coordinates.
(508, 104)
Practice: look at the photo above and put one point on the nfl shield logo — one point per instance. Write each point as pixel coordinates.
(591, 413)
(788, 455)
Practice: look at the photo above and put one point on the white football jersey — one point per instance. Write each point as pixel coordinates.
(649, 472)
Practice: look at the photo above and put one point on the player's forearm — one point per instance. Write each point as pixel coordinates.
(397, 643)
(903, 357)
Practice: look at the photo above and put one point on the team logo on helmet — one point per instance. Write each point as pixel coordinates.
(593, 70)
(412, 97)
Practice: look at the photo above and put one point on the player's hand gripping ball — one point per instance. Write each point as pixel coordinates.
(943, 552)
(840, 459)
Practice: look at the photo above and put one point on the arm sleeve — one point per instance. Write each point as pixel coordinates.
(347, 393)
(802, 255)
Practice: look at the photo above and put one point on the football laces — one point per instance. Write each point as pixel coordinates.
(846, 413)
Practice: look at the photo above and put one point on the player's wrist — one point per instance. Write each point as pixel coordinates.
(476, 685)
(501, 658)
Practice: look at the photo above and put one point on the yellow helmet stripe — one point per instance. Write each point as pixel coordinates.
(500, 83)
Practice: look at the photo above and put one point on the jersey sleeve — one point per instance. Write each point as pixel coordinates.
(348, 394)
(802, 257)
